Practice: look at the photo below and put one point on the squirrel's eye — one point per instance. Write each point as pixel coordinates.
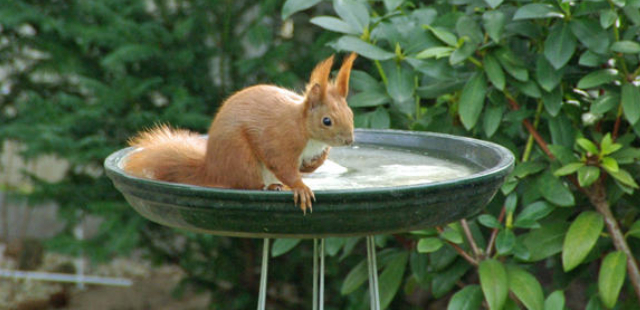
(326, 121)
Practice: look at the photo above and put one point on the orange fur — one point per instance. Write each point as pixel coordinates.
(177, 156)
(320, 74)
(260, 133)
(342, 81)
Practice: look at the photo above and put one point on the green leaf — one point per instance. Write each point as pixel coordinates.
(494, 283)
(391, 5)
(512, 64)
(588, 146)
(552, 101)
(607, 146)
(562, 130)
(463, 52)
(631, 102)
(537, 10)
(545, 241)
(333, 245)
(333, 24)
(466, 26)
(597, 78)
(401, 83)
(391, 278)
(589, 33)
(452, 235)
(526, 287)
(509, 186)
(436, 52)
(624, 177)
(609, 164)
(282, 246)
(291, 7)
(437, 89)
(419, 266)
(568, 169)
(494, 72)
(630, 11)
(468, 298)
(580, 239)
(380, 119)
(443, 35)
(527, 168)
(445, 281)
(529, 88)
(612, 273)
(594, 303)
(362, 81)
(494, 22)
(546, 75)
(492, 119)
(472, 100)
(505, 241)
(533, 212)
(493, 3)
(605, 103)
(587, 175)
(428, 245)
(634, 230)
(555, 301)
(349, 244)
(554, 191)
(353, 12)
(510, 203)
(371, 98)
(489, 220)
(607, 18)
(626, 47)
(559, 45)
(356, 277)
(591, 59)
(354, 44)
(626, 155)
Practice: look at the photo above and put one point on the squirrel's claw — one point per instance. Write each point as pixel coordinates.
(303, 196)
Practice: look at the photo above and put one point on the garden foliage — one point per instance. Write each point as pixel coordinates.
(556, 82)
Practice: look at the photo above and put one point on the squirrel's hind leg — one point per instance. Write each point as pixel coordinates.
(278, 187)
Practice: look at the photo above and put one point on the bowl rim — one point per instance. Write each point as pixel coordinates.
(501, 169)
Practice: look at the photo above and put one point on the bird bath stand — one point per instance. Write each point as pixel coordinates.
(389, 182)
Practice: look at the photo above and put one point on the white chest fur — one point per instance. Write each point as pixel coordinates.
(313, 149)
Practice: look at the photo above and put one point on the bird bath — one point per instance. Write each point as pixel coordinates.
(388, 182)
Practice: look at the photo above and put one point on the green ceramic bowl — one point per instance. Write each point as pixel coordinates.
(344, 212)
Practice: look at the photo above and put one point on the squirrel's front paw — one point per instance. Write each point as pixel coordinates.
(302, 195)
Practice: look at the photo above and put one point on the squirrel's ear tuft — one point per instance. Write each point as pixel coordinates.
(320, 75)
(342, 81)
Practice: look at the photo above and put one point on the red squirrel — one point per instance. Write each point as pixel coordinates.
(263, 137)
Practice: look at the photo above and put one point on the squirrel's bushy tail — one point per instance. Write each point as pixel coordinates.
(167, 154)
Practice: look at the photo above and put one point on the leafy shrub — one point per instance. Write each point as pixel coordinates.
(554, 81)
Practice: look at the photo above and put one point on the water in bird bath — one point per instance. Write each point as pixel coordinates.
(369, 166)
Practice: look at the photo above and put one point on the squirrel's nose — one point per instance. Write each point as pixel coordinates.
(348, 141)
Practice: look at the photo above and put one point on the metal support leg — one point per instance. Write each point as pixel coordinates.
(321, 301)
(373, 273)
(318, 275)
(262, 297)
